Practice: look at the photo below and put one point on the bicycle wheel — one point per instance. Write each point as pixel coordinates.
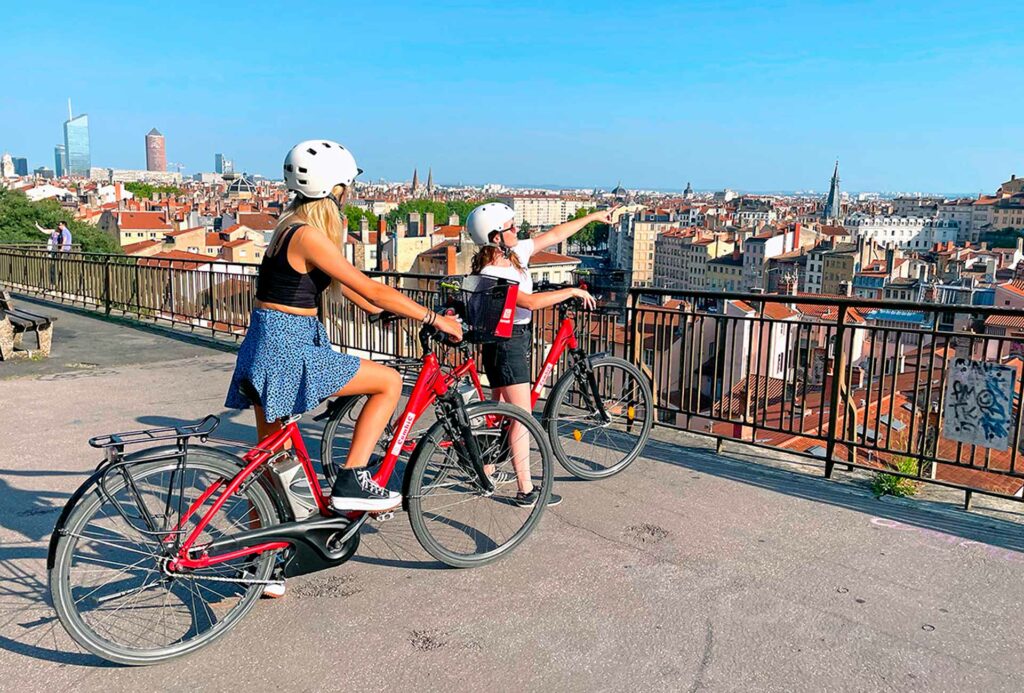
(107, 579)
(453, 518)
(586, 446)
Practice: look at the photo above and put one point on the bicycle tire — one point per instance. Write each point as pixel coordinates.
(452, 475)
(566, 435)
(85, 507)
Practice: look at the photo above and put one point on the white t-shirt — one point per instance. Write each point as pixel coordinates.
(523, 250)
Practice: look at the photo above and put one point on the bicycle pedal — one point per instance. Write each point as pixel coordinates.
(384, 516)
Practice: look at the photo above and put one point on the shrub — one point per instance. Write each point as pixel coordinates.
(891, 485)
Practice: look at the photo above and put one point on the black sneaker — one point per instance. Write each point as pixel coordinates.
(528, 500)
(355, 489)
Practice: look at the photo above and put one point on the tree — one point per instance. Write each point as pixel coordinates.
(145, 190)
(593, 234)
(421, 207)
(18, 216)
(525, 230)
(441, 210)
(356, 214)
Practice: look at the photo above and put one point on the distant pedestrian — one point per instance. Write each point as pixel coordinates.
(53, 242)
(65, 237)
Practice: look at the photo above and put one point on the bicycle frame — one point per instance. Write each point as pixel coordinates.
(565, 338)
(431, 383)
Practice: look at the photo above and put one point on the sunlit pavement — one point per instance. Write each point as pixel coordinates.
(690, 571)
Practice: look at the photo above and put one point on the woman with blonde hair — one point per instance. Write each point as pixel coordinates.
(286, 365)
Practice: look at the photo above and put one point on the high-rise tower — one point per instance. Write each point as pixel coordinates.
(76, 144)
(60, 161)
(156, 152)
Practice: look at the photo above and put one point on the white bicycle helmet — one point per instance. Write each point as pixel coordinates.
(312, 168)
(486, 219)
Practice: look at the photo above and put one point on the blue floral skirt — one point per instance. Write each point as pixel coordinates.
(289, 363)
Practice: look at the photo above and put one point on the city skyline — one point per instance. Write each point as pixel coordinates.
(743, 96)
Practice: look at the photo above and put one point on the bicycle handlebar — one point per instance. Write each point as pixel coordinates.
(386, 317)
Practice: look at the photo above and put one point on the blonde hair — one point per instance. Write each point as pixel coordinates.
(321, 214)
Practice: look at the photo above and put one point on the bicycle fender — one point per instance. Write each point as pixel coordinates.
(88, 486)
(141, 456)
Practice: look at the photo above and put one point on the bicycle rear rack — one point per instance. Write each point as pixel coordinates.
(201, 429)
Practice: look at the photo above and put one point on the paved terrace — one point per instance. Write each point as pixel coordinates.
(692, 571)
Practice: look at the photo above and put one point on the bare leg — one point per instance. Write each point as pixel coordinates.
(519, 395)
(264, 429)
(384, 387)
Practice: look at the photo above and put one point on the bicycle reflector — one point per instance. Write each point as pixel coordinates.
(488, 307)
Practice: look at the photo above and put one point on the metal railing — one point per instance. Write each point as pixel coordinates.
(218, 297)
(858, 383)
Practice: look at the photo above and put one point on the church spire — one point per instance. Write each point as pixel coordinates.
(430, 181)
(415, 180)
(832, 208)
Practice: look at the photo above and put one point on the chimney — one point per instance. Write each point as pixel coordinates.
(736, 253)
(796, 235)
(452, 256)
(414, 224)
(117, 195)
(382, 227)
(890, 260)
(453, 220)
(364, 230)
(400, 229)
(428, 224)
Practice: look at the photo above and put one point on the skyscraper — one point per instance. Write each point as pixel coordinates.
(76, 144)
(832, 209)
(20, 166)
(60, 160)
(222, 164)
(156, 154)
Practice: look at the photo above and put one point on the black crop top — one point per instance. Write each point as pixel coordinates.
(279, 283)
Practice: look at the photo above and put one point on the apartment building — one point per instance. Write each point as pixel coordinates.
(907, 233)
(539, 210)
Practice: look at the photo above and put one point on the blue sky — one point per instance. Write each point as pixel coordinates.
(909, 96)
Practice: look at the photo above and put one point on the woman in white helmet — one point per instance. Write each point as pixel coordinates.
(508, 363)
(286, 365)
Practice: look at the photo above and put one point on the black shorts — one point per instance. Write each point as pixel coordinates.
(508, 362)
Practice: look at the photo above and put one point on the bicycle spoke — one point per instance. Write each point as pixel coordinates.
(118, 591)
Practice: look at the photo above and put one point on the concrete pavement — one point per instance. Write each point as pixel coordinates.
(690, 571)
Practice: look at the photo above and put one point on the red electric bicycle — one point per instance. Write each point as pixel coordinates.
(164, 549)
(598, 416)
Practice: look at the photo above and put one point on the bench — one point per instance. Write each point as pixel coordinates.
(15, 324)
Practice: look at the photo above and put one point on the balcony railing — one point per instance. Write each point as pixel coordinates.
(858, 383)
